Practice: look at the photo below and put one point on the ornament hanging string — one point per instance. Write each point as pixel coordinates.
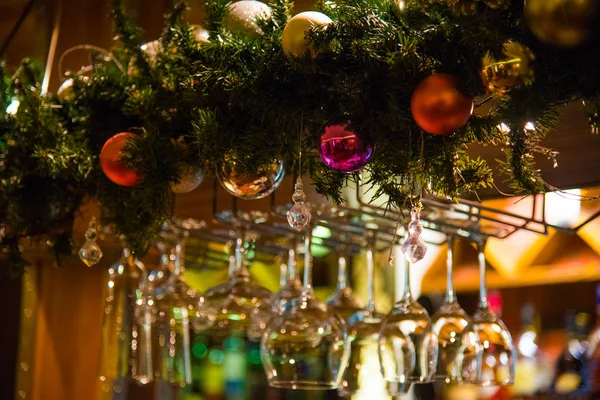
(109, 57)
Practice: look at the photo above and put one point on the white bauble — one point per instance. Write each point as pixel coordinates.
(201, 34)
(294, 41)
(152, 49)
(65, 90)
(243, 15)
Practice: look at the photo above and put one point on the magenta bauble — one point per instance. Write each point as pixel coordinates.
(343, 150)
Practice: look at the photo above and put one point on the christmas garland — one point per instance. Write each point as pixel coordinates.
(374, 84)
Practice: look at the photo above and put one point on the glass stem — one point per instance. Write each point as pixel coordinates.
(179, 250)
(283, 274)
(308, 264)
(342, 282)
(370, 280)
(450, 295)
(407, 291)
(483, 300)
(291, 265)
(236, 266)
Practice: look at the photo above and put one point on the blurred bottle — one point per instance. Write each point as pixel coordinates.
(571, 380)
(593, 352)
(534, 373)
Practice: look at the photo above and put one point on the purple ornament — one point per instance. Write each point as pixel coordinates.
(343, 150)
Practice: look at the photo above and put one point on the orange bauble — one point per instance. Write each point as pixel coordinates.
(438, 106)
(111, 164)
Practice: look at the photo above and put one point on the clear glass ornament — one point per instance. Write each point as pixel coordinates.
(299, 215)
(414, 247)
(245, 185)
(90, 253)
(190, 177)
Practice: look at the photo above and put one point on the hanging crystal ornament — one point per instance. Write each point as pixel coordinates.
(299, 215)
(90, 253)
(414, 247)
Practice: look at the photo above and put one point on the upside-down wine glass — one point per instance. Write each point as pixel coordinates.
(487, 356)
(290, 285)
(401, 364)
(343, 300)
(305, 347)
(238, 305)
(448, 324)
(175, 304)
(363, 376)
(126, 352)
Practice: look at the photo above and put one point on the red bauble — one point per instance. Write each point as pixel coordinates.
(111, 164)
(438, 106)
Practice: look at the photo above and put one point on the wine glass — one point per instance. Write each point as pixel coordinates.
(363, 374)
(448, 325)
(343, 300)
(402, 365)
(238, 305)
(290, 285)
(487, 355)
(174, 304)
(126, 351)
(305, 347)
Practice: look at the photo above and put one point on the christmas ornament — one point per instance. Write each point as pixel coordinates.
(438, 106)
(201, 34)
(190, 178)
(294, 41)
(151, 49)
(513, 70)
(343, 150)
(564, 23)
(65, 90)
(111, 164)
(250, 186)
(414, 247)
(399, 6)
(299, 215)
(243, 15)
(90, 253)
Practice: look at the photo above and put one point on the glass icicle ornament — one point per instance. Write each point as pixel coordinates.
(299, 215)
(90, 253)
(414, 247)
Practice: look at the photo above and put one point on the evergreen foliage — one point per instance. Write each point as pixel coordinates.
(240, 98)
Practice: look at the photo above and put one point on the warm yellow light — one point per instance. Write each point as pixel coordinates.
(563, 208)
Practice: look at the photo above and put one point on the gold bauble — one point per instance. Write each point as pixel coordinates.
(250, 186)
(564, 23)
(294, 41)
(513, 70)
